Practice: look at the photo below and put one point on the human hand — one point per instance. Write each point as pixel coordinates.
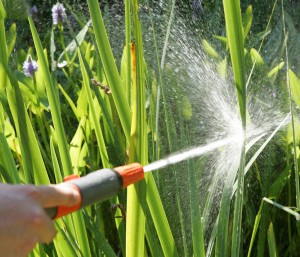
(23, 221)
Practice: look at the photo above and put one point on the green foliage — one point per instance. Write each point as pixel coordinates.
(86, 113)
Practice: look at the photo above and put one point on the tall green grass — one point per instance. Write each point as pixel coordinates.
(59, 123)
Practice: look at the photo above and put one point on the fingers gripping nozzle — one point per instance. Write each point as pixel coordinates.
(98, 186)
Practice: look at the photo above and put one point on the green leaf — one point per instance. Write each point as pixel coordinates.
(94, 114)
(71, 49)
(2, 11)
(221, 39)
(209, 50)
(255, 228)
(136, 194)
(110, 67)
(186, 108)
(275, 70)
(9, 172)
(247, 20)
(76, 147)
(31, 156)
(222, 68)
(289, 133)
(197, 230)
(235, 38)
(11, 38)
(295, 87)
(54, 102)
(56, 168)
(15, 9)
(63, 147)
(272, 241)
(160, 219)
(256, 57)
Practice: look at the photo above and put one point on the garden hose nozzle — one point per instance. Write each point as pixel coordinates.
(98, 186)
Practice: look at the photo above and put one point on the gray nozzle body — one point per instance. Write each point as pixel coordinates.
(98, 186)
(94, 187)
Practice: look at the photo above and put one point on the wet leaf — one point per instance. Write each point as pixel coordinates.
(72, 47)
(11, 38)
(256, 57)
(295, 87)
(186, 108)
(247, 21)
(211, 52)
(275, 70)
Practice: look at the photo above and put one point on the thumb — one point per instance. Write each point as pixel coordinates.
(65, 194)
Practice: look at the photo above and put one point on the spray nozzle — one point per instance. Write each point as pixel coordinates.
(131, 173)
(98, 186)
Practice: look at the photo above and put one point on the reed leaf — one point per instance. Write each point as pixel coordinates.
(255, 228)
(53, 101)
(272, 241)
(9, 172)
(235, 37)
(33, 164)
(110, 67)
(160, 219)
(293, 90)
(128, 49)
(136, 194)
(6, 155)
(95, 118)
(52, 93)
(197, 230)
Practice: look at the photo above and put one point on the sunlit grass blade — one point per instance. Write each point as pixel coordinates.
(95, 118)
(223, 218)
(52, 93)
(294, 93)
(261, 148)
(11, 38)
(110, 68)
(197, 230)
(71, 103)
(284, 208)
(63, 243)
(160, 219)
(54, 103)
(255, 228)
(161, 65)
(33, 164)
(272, 241)
(136, 194)
(3, 49)
(105, 248)
(235, 37)
(56, 168)
(128, 49)
(9, 172)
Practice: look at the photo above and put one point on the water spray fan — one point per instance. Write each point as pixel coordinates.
(98, 186)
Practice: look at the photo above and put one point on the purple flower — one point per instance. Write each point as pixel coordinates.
(33, 10)
(30, 67)
(58, 13)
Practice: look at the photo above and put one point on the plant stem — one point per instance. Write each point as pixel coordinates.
(292, 114)
(235, 39)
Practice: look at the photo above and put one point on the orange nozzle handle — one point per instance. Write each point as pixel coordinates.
(130, 173)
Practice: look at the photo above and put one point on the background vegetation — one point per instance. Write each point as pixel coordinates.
(58, 122)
